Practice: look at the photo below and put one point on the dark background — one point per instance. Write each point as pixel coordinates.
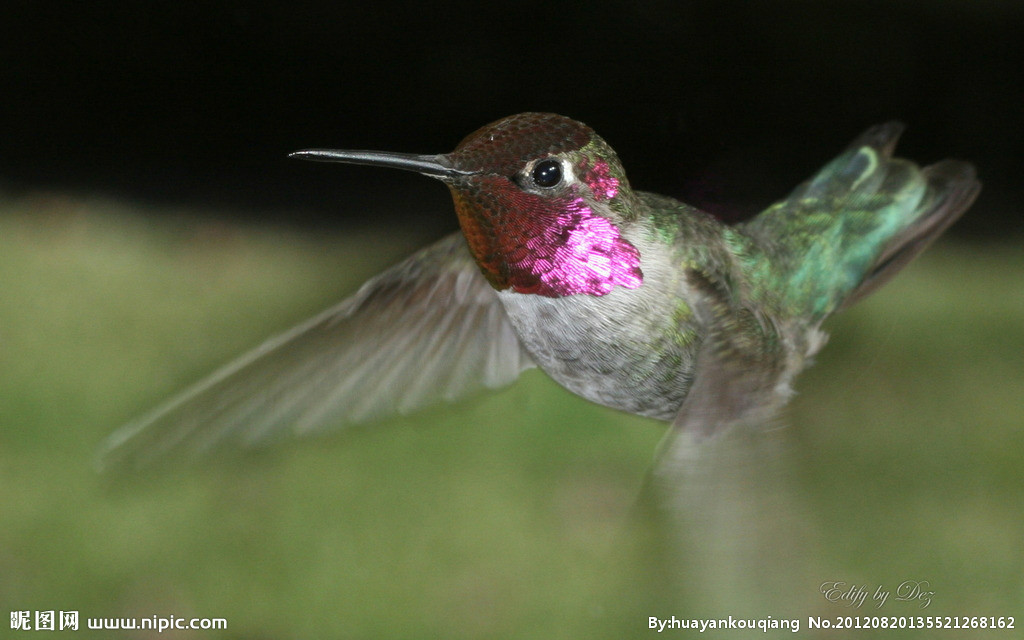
(727, 105)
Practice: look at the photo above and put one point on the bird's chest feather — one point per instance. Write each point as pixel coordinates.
(631, 349)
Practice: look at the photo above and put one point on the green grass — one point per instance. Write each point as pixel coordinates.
(507, 516)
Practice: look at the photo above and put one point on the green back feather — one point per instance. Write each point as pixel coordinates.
(852, 226)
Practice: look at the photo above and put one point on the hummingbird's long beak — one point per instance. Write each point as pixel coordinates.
(439, 166)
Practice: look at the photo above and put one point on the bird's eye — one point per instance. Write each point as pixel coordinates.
(547, 174)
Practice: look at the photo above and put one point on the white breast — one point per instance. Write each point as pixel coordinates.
(622, 349)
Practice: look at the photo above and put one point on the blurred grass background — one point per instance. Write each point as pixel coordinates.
(507, 516)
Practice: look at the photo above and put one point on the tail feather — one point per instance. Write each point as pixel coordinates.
(953, 186)
(854, 173)
(858, 221)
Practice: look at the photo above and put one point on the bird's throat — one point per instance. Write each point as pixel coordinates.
(534, 245)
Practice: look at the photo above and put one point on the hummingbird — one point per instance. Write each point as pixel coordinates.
(632, 300)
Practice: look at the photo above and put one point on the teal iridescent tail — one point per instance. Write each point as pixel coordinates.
(861, 219)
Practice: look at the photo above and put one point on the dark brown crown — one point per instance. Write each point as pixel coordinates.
(506, 145)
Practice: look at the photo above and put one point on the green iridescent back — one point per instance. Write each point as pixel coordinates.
(851, 227)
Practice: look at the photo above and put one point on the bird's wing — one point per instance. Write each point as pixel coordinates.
(741, 368)
(429, 328)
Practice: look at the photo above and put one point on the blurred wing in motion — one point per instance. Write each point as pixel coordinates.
(734, 515)
(429, 328)
(743, 372)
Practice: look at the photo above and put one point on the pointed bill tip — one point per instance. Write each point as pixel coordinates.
(304, 154)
